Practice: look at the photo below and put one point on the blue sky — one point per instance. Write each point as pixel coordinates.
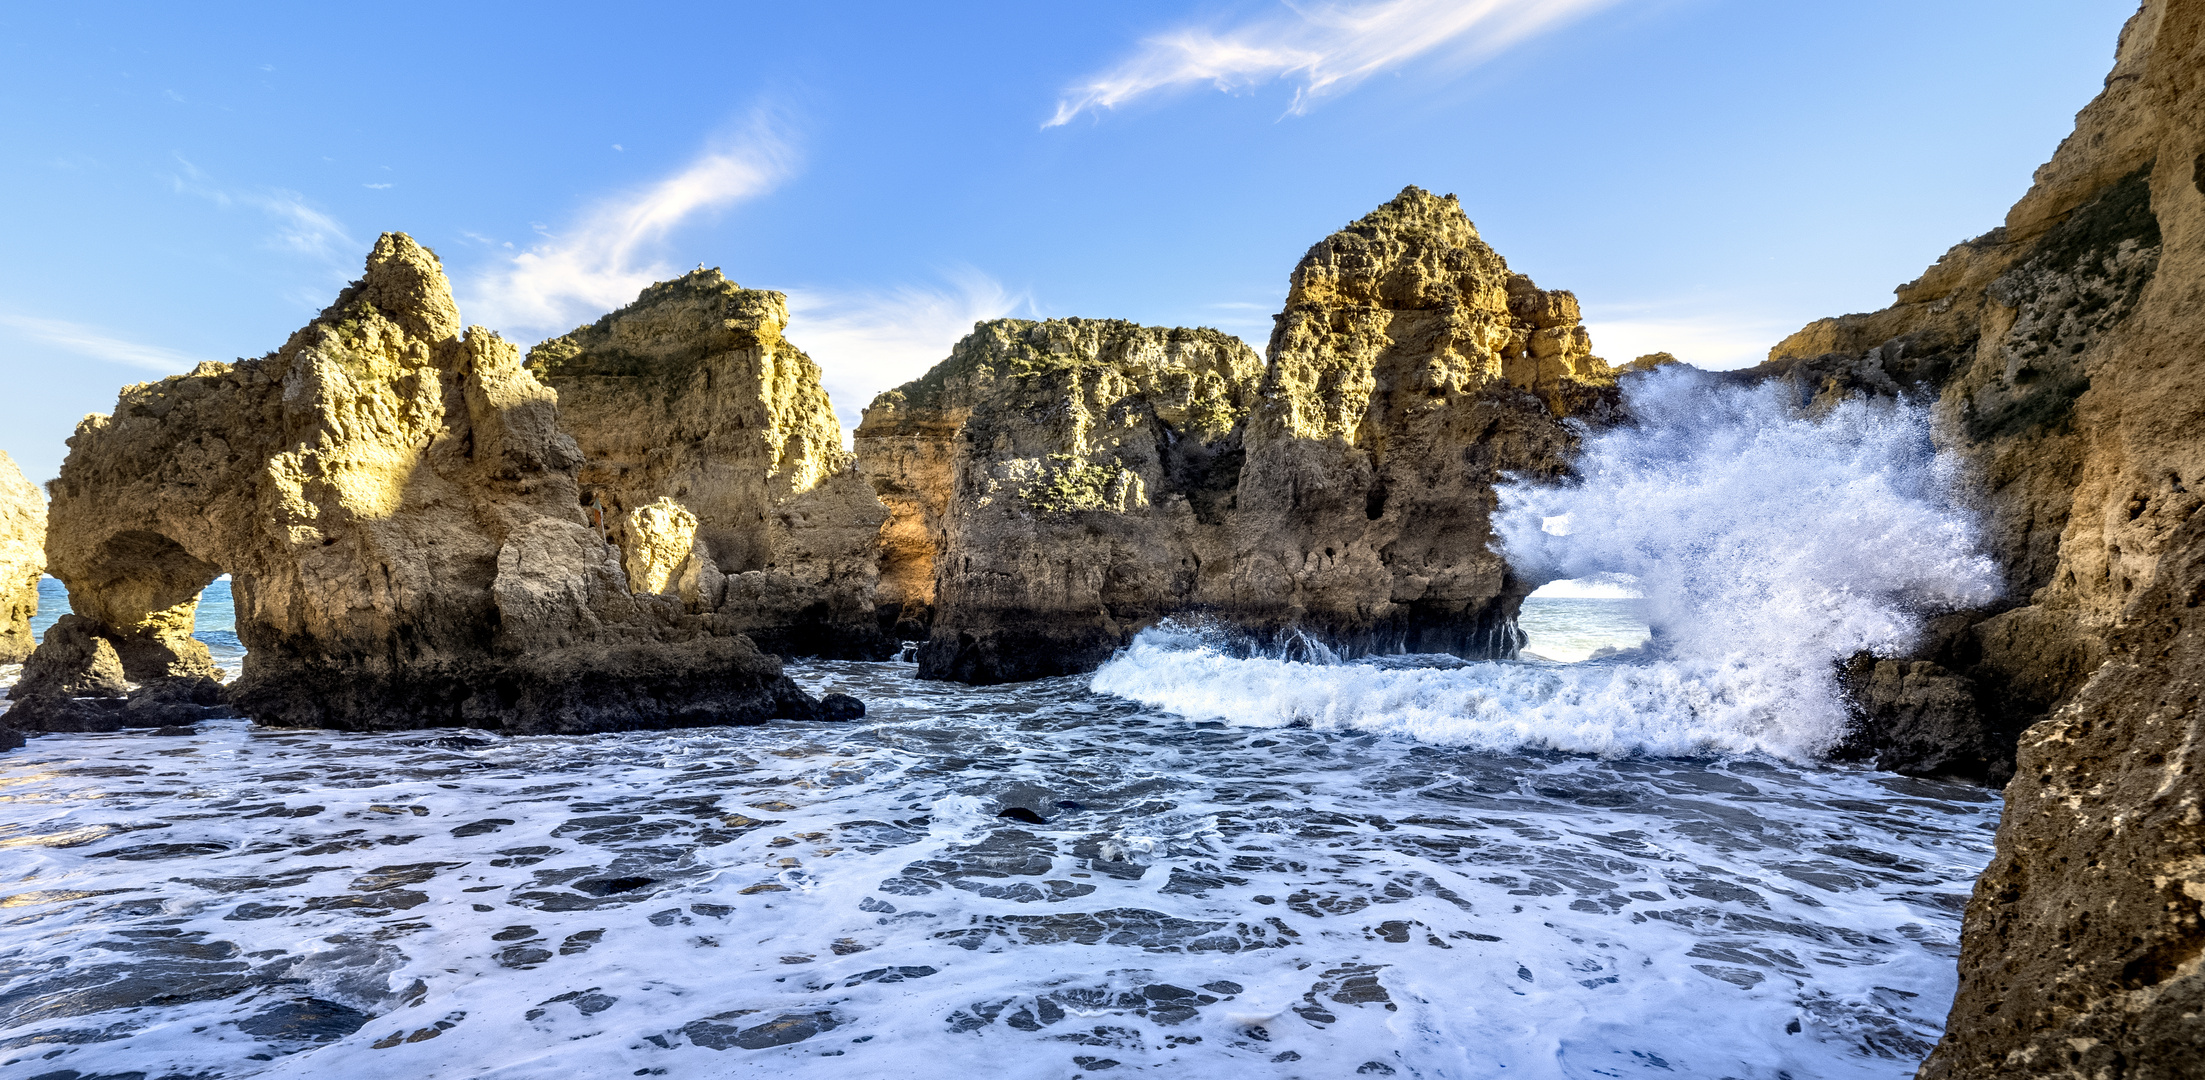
(1707, 175)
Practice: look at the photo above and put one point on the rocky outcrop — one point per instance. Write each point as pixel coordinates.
(1409, 371)
(1054, 487)
(2061, 351)
(692, 398)
(22, 559)
(1049, 486)
(401, 517)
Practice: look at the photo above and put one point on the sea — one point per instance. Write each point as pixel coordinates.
(1623, 854)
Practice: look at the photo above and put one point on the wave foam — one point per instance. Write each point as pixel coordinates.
(1769, 546)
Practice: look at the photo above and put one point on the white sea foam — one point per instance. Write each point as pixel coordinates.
(1768, 547)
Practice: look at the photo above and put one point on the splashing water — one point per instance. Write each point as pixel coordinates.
(1768, 545)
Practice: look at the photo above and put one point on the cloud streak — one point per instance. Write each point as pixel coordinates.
(299, 227)
(609, 253)
(867, 342)
(91, 342)
(1324, 48)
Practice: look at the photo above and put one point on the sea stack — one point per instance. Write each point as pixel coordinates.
(1409, 371)
(692, 397)
(1049, 487)
(399, 511)
(22, 559)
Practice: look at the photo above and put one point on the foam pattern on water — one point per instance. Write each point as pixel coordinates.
(845, 901)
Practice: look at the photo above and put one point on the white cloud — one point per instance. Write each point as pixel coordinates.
(90, 341)
(608, 255)
(1326, 48)
(299, 226)
(1712, 340)
(867, 342)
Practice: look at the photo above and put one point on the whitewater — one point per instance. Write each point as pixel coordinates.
(1202, 860)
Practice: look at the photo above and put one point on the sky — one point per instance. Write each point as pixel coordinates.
(1706, 175)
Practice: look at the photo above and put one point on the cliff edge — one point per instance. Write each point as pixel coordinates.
(2062, 352)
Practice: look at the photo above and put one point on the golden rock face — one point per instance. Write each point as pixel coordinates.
(693, 395)
(398, 507)
(1054, 487)
(2060, 351)
(22, 559)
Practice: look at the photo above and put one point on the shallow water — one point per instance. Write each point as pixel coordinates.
(842, 900)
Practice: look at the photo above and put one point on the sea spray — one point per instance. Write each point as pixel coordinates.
(1769, 545)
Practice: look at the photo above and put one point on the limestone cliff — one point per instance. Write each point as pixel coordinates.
(1410, 369)
(22, 559)
(2062, 352)
(692, 394)
(1055, 487)
(400, 514)
(1049, 485)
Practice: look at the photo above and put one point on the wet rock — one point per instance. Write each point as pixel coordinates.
(310, 1020)
(840, 707)
(66, 714)
(74, 660)
(22, 559)
(177, 701)
(781, 1031)
(1020, 813)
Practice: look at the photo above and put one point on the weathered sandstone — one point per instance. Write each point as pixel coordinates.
(692, 398)
(1054, 487)
(1047, 487)
(22, 559)
(2062, 353)
(399, 512)
(1409, 371)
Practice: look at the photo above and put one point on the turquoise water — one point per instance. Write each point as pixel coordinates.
(1573, 628)
(216, 624)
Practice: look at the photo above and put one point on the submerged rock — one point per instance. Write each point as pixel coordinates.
(712, 458)
(399, 511)
(22, 559)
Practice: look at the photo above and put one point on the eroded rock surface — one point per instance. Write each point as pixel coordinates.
(400, 514)
(22, 559)
(693, 397)
(2062, 353)
(1410, 369)
(1054, 487)
(1049, 486)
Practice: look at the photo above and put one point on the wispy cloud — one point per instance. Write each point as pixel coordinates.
(299, 226)
(91, 342)
(1715, 340)
(1324, 48)
(610, 252)
(867, 342)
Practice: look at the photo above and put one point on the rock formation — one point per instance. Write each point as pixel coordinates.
(1054, 487)
(692, 396)
(22, 559)
(2062, 353)
(1409, 370)
(1048, 488)
(399, 512)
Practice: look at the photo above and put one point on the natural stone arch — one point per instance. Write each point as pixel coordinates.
(143, 588)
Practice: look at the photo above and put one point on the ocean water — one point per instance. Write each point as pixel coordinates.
(1617, 857)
